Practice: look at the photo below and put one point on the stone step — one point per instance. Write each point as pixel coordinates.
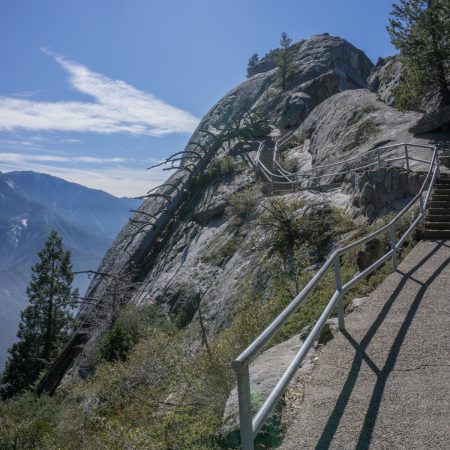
(437, 234)
(445, 204)
(437, 196)
(437, 225)
(438, 211)
(440, 191)
(437, 217)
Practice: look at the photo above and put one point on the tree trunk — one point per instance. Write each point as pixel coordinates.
(49, 325)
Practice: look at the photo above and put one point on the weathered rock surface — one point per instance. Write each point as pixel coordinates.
(385, 76)
(351, 123)
(380, 191)
(433, 121)
(323, 66)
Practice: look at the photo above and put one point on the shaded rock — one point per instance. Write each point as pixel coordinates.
(432, 121)
(265, 371)
(380, 191)
(373, 250)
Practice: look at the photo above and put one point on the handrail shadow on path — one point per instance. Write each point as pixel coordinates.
(382, 374)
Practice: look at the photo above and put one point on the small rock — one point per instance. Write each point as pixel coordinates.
(355, 303)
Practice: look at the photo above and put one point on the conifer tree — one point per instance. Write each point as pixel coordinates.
(284, 60)
(420, 29)
(252, 62)
(47, 321)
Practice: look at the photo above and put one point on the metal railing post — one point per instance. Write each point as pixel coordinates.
(245, 406)
(422, 215)
(438, 174)
(340, 303)
(407, 157)
(393, 247)
(379, 158)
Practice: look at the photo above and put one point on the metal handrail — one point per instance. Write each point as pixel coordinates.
(250, 426)
(301, 177)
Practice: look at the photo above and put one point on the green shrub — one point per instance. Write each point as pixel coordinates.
(408, 94)
(126, 331)
(221, 254)
(243, 204)
(364, 131)
(220, 168)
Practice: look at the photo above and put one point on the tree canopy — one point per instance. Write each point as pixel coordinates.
(420, 29)
(284, 60)
(47, 321)
(252, 62)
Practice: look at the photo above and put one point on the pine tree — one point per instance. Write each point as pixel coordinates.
(284, 60)
(420, 29)
(47, 321)
(252, 62)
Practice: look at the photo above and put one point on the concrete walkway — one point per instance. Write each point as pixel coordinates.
(385, 382)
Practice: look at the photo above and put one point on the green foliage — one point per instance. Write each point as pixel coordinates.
(363, 132)
(290, 225)
(408, 94)
(47, 322)
(284, 61)
(217, 170)
(252, 63)
(28, 423)
(220, 168)
(185, 313)
(164, 396)
(243, 204)
(220, 254)
(127, 330)
(420, 29)
(358, 115)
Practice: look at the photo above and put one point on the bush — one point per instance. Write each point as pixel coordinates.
(220, 168)
(126, 331)
(243, 204)
(407, 93)
(365, 130)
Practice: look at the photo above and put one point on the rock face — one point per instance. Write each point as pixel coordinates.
(385, 76)
(380, 191)
(323, 66)
(349, 124)
(432, 121)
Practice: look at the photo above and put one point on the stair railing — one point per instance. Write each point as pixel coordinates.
(376, 157)
(250, 425)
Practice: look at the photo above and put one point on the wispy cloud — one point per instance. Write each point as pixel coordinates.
(118, 176)
(23, 157)
(117, 108)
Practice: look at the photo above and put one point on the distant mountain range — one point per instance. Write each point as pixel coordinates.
(33, 204)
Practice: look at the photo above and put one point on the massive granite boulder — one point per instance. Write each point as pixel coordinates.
(183, 246)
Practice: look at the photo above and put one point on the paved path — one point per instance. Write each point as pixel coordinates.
(385, 382)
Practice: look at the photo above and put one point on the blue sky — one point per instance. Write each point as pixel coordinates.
(96, 91)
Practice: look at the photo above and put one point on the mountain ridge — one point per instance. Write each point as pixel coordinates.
(31, 205)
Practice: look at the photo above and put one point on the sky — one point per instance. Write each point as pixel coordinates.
(96, 91)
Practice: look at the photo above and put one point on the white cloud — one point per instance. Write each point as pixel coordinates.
(119, 181)
(22, 157)
(108, 174)
(118, 107)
